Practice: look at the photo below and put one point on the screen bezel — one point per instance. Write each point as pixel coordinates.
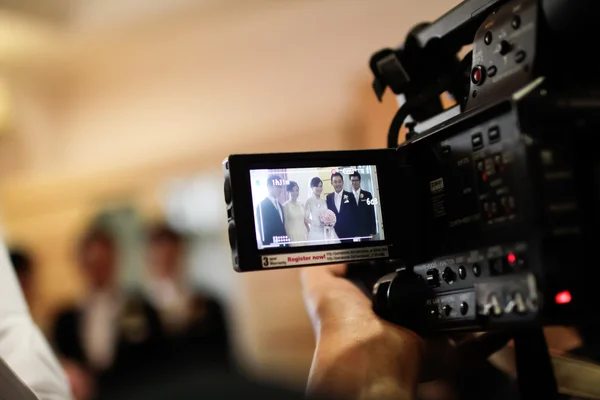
(248, 253)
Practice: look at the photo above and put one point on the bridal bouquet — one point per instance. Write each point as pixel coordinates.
(328, 218)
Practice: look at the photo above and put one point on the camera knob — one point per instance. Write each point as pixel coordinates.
(400, 298)
(449, 276)
(411, 129)
(380, 296)
(504, 47)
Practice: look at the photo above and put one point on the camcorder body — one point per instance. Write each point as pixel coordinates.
(483, 220)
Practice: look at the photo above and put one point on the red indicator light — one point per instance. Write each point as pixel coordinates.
(563, 297)
(477, 75)
(511, 258)
(484, 176)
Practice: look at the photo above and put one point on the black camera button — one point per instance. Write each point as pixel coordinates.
(227, 191)
(462, 272)
(504, 47)
(494, 134)
(447, 310)
(492, 70)
(232, 235)
(433, 278)
(487, 38)
(477, 141)
(476, 270)
(516, 22)
(448, 275)
(496, 266)
(464, 308)
(520, 56)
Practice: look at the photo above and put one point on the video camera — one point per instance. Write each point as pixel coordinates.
(485, 218)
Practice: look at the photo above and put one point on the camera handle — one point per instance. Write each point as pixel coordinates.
(535, 373)
(534, 369)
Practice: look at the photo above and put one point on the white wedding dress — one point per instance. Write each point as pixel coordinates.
(319, 234)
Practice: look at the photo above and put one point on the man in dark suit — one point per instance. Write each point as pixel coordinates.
(364, 221)
(112, 335)
(342, 204)
(193, 320)
(270, 213)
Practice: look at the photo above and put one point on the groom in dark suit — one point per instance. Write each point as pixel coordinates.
(364, 222)
(271, 222)
(342, 204)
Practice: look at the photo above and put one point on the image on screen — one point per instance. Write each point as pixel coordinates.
(316, 206)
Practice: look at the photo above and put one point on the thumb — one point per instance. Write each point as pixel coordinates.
(312, 276)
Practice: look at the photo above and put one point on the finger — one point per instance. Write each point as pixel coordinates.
(482, 346)
(317, 275)
(443, 360)
(338, 270)
(439, 359)
(315, 281)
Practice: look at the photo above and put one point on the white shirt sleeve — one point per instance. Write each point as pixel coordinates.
(22, 345)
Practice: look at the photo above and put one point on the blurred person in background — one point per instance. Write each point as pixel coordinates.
(79, 379)
(194, 322)
(112, 335)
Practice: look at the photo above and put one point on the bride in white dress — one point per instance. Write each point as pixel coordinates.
(315, 206)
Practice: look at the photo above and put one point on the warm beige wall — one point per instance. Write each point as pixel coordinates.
(131, 94)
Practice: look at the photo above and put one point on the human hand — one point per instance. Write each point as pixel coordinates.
(358, 355)
(80, 381)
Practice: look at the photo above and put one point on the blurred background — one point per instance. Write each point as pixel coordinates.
(114, 120)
